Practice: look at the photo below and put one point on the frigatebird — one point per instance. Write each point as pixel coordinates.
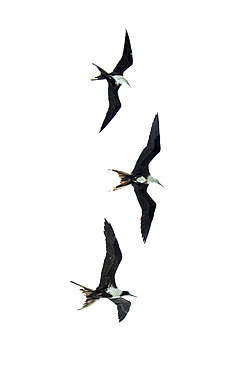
(140, 178)
(115, 79)
(107, 287)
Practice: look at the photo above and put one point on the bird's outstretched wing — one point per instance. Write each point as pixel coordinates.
(151, 150)
(123, 307)
(114, 103)
(112, 259)
(148, 208)
(127, 59)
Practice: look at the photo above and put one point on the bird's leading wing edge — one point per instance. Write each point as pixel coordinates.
(126, 60)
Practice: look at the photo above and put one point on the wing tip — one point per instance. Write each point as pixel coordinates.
(108, 230)
(104, 124)
(156, 119)
(144, 234)
(106, 223)
(144, 238)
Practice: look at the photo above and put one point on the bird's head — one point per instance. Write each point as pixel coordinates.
(125, 292)
(123, 80)
(151, 179)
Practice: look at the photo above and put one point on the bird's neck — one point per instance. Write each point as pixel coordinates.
(150, 179)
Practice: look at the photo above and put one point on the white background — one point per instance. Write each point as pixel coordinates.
(190, 277)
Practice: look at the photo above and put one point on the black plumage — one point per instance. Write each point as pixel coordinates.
(127, 58)
(140, 178)
(147, 205)
(123, 307)
(112, 259)
(150, 151)
(113, 84)
(107, 287)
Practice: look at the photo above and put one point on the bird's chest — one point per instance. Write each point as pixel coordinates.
(113, 292)
(140, 179)
(119, 80)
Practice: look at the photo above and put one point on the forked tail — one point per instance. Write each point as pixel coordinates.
(125, 179)
(103, 74)
(87, 292)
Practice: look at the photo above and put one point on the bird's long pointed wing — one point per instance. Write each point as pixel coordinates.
(112, 259)
(123, 307)
(127, 59)
(114, 104)
(148, 208)
(151, 150)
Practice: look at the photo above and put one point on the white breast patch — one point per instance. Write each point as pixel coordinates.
(119, 79)
(114, 292)
(141, 179)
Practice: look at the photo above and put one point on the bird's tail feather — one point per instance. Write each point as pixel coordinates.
(87, 292)
(103, 74)
(125, 179)
(100, 77)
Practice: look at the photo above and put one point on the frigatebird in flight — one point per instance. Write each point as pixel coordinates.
(140, 178)
(107, 287)
(115, 79)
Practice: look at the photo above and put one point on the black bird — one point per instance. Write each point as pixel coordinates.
(140, 178)
(115, 79)
(107, 287)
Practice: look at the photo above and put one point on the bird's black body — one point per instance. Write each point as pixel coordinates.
(107, 280)
(125, 62)
(141, 172)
